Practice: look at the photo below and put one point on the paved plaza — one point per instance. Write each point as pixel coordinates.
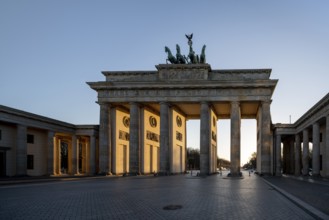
(146, 197)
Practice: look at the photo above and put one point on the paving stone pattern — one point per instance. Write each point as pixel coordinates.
(143, 197)
(312, 191)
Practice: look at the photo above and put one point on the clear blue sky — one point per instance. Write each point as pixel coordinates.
(49, 49)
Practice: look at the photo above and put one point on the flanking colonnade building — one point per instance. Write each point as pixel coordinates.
(293, 142)
(142, 127)
(34, 145)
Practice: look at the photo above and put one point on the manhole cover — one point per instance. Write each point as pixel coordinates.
(172, 207)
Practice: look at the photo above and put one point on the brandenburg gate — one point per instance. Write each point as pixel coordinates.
(143, 115)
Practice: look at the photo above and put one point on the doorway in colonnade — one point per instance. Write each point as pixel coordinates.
(2, 163)
(64, 148)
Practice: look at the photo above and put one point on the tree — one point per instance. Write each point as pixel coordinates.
(252, 163)
(193, 158)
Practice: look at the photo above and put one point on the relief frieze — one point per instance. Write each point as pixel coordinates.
(192, 93)
(181, 75)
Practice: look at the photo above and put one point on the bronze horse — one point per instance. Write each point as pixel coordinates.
(180, 58)
(170, 58)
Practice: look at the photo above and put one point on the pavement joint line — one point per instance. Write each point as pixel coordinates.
(306, 207)
(322, 181)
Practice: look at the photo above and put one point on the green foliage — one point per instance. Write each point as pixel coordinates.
(252, 162)
(193, 160)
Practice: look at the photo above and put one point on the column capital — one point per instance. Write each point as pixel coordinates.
(21, 126)
(235, 102)
(297, 137)
(266, 102)
(104, 104)
(165, 103)
(51, 133)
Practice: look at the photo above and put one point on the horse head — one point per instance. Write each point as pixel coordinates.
(178, 48)
(203, 49)
(203, 55)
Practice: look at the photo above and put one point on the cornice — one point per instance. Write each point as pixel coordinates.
(319, 106)
(194, 84)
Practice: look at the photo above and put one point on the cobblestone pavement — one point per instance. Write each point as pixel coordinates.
(313, 191)
(144, 197)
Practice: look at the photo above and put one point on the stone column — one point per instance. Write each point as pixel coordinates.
(164, 138)
(305, 152)
(297, 155)
(286, 157)
(21, 151)
(86, 159)
(74, 160)
(326, 156)
(51, 154)
(278, 155)
(134, 152)
(59, 157)
(235, 138)
(292, 156)
(104, 140)
(316, 149)
(266, 138)
(205, 139)
(92, 155)
(185, 148)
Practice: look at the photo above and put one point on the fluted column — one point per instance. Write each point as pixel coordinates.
(21, 151)
(235, 138)
(59, 157)
(292, 156)
(92, 155)
(297, 155)
(305, 152)
(164, 138)
(316, 149)
(278, 155)
(74, 158)
(51, 154)
(104, 152)
(286, 158)
(134, 142)
(326, 156)
(205, 138)
(266, 138)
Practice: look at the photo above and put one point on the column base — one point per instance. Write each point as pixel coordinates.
(239, 174)
(104, 174)
(164, 173)
(134, 174)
